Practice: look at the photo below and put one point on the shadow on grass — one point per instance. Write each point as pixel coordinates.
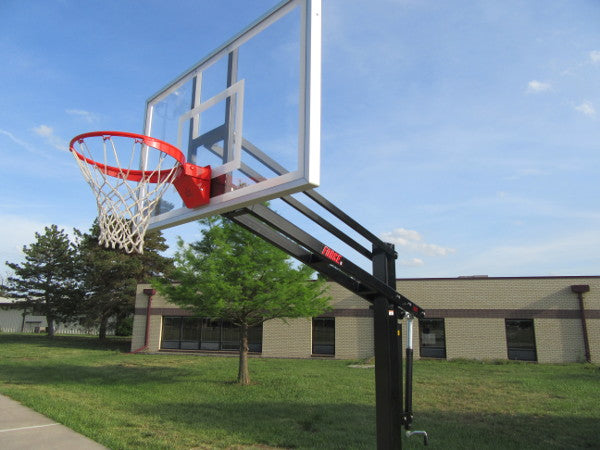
(278, 424)
(351, 426)
(449, 430)
(123, 374)
(121, 344)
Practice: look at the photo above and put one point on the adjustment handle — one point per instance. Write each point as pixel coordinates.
(419, 433)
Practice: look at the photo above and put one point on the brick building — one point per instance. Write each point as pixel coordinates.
(544, 319)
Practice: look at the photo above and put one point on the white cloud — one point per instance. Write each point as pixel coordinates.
(44, 131)
(27, 146)
(523, 173)
(48, 134)
(15, 232)
(413, 262)
(595, 56)
(401, 237)
(89, 117)
(412, 240)
(546, 255)
(586, 108)
(16, 140)
(535, 87)
(435, 250)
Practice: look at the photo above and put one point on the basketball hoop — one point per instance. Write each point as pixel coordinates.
(128, 196)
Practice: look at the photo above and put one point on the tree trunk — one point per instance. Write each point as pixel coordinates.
(243, 373)
(50, 326)
(102, 329)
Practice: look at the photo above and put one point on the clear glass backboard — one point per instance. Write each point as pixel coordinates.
(250, 110)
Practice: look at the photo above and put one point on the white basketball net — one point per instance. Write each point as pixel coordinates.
(124, 206)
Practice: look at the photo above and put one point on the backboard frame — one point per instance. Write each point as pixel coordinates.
(307, 173)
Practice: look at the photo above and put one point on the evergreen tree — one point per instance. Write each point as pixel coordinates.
(109, 277)
(234, 275)
(152, 263)
(47, 280)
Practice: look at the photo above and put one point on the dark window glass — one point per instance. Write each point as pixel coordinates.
(432, 338)
(520, 339)
(230, 336)
(323, 336)
(255, 338)
(211, 334)
(171, 332)
(191, 333)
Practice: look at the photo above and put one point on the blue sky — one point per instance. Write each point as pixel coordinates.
(466, 133)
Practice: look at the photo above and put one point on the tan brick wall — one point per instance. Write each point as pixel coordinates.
(500, 293)
(155, 333)
(342, 298)
(139, 332)
(139, 320)
(559, 341)
(594, 337)
(475, 339)
(353, 337)
(291, 338)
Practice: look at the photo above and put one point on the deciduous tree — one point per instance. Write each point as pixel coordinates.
(234, 275)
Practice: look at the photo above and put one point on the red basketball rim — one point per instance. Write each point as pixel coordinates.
(151, 176)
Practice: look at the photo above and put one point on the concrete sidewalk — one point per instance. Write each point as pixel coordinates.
(23, 428)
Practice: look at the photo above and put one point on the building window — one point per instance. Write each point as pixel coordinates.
(520, 339)
(192, 333)
(210, 334)
(171, 332)
(230, 336)
(432, 338)
(190, 330)
(323, 336)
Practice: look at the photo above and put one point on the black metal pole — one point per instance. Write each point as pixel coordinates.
(379, 288)
(387, 437)
(388, 373)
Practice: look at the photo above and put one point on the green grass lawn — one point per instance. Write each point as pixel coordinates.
(187, 401)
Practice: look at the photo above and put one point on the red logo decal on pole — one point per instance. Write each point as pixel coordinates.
(332, 255)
